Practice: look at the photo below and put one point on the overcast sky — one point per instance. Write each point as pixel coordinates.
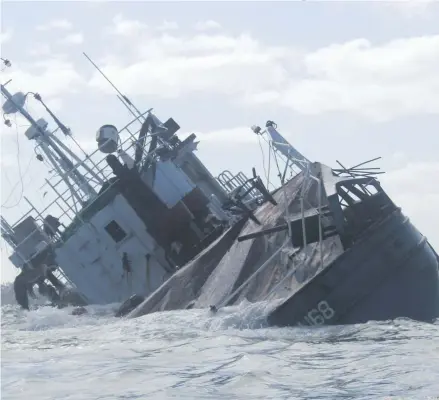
(344, 81)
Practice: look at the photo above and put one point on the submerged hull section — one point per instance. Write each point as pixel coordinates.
(388, 271)
(182, 289)
(212, 277)
(392, 273)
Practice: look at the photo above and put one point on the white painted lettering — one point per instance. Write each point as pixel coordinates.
(319, 315)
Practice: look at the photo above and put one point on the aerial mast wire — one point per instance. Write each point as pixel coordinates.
(121, 96)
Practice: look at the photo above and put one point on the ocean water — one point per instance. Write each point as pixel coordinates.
(51, 354)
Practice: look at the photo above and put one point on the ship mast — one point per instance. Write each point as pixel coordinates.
(282, 145)
(56, 152)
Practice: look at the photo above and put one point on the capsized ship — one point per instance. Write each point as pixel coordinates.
(148, 222)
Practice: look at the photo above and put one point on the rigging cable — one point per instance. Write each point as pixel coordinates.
(279, 172)
(19, 171)
(269, 167)
(263, 161)
(16, 184)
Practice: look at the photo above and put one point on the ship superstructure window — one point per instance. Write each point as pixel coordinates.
(115, 231)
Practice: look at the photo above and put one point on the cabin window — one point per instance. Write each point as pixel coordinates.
(115, 231)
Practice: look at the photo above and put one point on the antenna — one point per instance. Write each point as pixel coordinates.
(121, 96)
(56, 152)
(127, 103)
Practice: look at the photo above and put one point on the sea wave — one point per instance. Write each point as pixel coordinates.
(194, 354)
